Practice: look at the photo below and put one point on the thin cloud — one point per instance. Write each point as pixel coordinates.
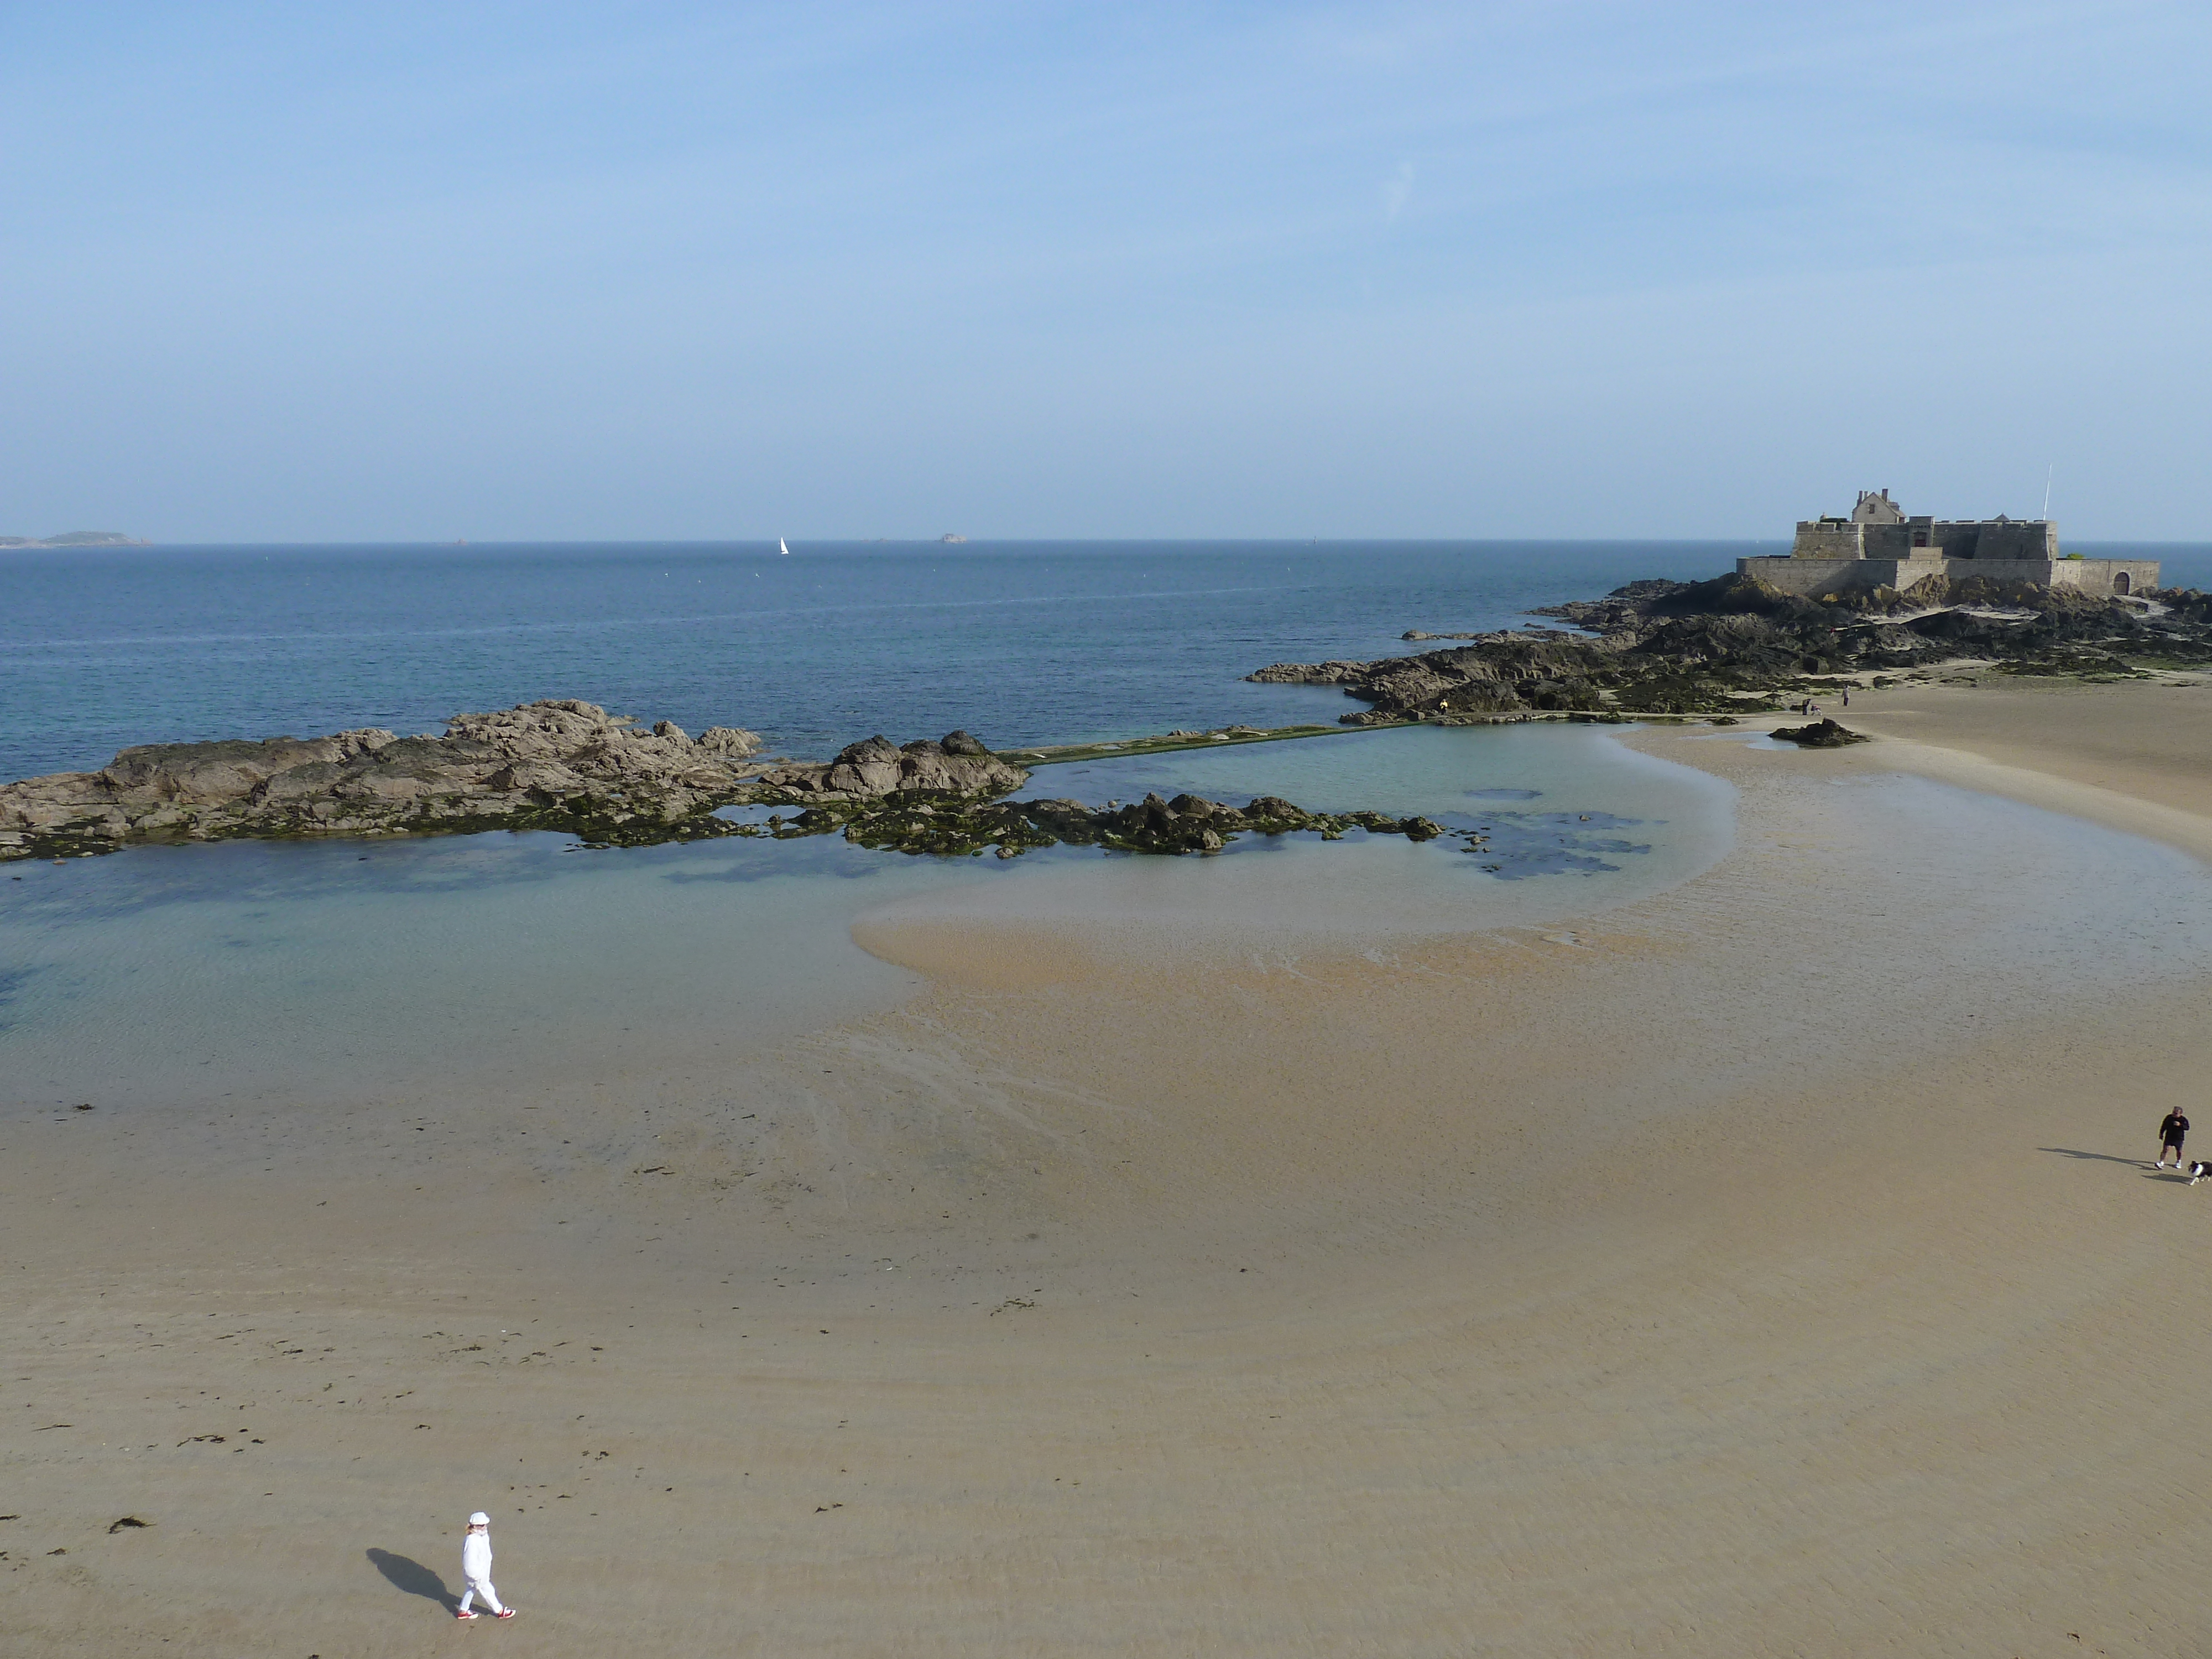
(1397, 190)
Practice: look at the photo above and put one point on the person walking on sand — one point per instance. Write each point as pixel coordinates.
(2169, 1138)
(476, 1569)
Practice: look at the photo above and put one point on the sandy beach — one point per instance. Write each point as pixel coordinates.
(1769, 1265)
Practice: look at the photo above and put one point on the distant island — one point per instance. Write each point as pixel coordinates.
(949, 536)
(76, 539)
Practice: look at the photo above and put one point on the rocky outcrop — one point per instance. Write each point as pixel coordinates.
(571, 766)
(1822, 734)
(557, 763)
(956, 764)
(2187, 604)
(1500, 673)
(1186, 823)
(1736, 643)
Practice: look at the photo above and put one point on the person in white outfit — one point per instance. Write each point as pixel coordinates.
(476, 1569)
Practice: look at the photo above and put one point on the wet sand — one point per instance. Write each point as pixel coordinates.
(1768, 1266)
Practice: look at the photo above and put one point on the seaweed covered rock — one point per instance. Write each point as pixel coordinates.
(1186, 823)
(1822, 734)
(956, 765)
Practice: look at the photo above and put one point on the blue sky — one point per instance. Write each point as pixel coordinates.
(622, 272)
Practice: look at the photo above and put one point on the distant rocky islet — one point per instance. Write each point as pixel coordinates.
(1737, 644)
(73, 539)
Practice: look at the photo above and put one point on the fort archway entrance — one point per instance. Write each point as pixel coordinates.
(2120, 583)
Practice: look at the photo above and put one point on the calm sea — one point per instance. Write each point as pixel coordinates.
(391, 971)
(1021, 642)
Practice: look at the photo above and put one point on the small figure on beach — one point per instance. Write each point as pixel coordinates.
(2170, 1132)
(476, 1569)
(1847, 697)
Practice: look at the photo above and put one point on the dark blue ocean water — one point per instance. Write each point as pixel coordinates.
(1021, 642)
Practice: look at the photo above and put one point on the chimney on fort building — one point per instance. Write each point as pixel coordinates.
(1876, 507)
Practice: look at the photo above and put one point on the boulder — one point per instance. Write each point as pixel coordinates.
(1822, 734)
(876, 766)
(734, 741)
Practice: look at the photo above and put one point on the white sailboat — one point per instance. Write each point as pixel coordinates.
(783, 546)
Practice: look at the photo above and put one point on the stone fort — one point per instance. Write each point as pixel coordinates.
(1879, 545)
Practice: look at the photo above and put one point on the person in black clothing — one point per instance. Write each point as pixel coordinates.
(2169, 1138)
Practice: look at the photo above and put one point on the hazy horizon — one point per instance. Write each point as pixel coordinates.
(1402, 272)
(802, 544)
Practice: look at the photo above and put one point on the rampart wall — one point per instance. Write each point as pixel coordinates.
(1811, 577)
(1987, 539)
(1825, 540)
(1953, 539)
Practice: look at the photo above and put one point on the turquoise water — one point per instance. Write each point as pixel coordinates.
(1574, 823)
(414, 977)
(194, 974)
(456, 965)
(425, 971)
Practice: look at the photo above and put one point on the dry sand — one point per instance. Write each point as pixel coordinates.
(1766, 1267)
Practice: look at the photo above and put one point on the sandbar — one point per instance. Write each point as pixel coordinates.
(1769, 1265)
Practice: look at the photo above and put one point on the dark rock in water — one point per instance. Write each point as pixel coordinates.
(1067, 821)
(1822, 734)
(876, 766)
(1154, 825)
(951, 827)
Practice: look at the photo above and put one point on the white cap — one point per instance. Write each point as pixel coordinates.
(480, 1519)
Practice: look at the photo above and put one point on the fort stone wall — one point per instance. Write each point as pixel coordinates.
(1996, 538)
(1810, 578)
(1828, 539)
(1880, 546)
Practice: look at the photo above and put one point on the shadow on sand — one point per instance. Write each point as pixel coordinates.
(2099, 1158)
(413, 1577)
(2132, 1163)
